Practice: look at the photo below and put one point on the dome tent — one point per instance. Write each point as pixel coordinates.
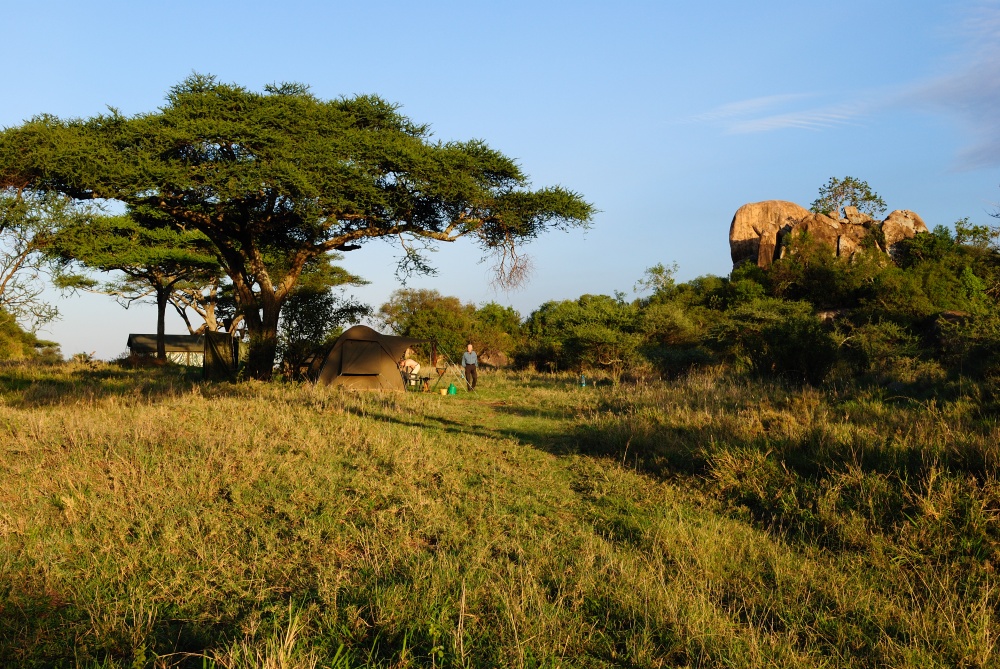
(364, 359)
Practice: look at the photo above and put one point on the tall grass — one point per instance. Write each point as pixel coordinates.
(150, 520)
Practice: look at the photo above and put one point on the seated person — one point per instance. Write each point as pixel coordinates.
(409, 366)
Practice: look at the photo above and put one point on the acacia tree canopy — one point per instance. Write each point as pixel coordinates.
(284, 174)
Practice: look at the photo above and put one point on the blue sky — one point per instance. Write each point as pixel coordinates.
(667, 116)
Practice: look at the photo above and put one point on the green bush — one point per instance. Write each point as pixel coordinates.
(16, 344)
(776, 337)
(593, 332)
(876, 348)
(797, 347)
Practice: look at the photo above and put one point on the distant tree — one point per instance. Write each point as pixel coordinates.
(284, 177)
(836, 194)
(497, 330)
(658, 280)
(427, 314)
(152, 262)
(983, 237)
(27, 220)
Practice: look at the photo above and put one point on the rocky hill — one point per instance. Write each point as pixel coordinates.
(758, 229)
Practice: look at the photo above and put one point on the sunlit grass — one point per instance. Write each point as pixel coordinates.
(147, 519)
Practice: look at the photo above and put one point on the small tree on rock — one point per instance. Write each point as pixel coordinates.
(836, 194)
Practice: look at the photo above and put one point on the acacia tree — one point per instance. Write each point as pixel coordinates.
(152, 262)
(836, 194)
(285, 175)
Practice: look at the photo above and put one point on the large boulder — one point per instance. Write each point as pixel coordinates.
(855, 217)
(899, 225)
(753, 234)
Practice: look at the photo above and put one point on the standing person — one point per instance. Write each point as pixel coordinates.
(471, 363)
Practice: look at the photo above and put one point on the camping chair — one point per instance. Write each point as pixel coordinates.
(417, 378)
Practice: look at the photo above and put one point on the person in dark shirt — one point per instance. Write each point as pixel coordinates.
(471, 363)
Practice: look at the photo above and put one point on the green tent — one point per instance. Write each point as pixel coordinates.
(364, 359)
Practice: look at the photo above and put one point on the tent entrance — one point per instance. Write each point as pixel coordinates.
(361, 358)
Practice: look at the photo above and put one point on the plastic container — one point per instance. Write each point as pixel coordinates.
(452, 390)
(444, 391)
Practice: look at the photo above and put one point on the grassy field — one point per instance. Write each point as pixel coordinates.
(149, 520)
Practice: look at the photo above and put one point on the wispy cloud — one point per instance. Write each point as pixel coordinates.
(737, 110)
(778, 112)
(807, 119)
(970, 92)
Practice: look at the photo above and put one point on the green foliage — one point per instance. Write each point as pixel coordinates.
(670, 324)
(745, 291)
(836, 194)
(937, 245)
(777, 337)
(879, 348)
(275, 179)
(592, 332)
(497, 330)
(426, 314)
(17, 344)
(970, 343)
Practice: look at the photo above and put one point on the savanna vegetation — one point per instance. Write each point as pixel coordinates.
(147, 519)
(786, 467)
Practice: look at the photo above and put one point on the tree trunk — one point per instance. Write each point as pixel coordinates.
(263, 333)
(161, 319)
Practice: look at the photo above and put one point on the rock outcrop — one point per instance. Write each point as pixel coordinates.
(758, 229)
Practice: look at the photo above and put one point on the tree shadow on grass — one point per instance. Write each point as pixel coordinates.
(556, 443)
(26, 386)
(41, 627)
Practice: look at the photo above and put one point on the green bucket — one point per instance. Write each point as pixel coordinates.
(452, 390)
